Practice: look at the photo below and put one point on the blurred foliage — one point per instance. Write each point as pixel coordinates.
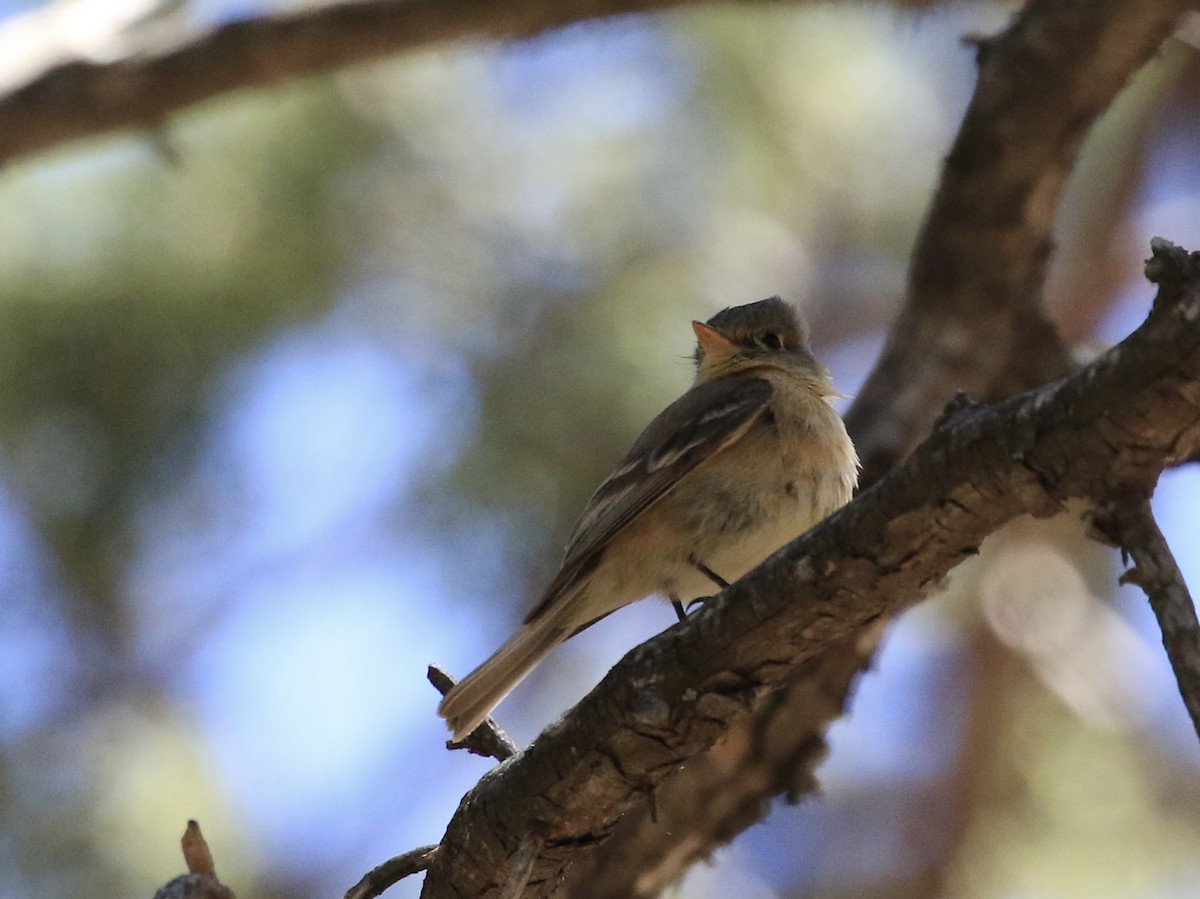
(128, 281)
(508, 242)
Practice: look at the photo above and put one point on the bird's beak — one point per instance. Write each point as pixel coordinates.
(711, 340)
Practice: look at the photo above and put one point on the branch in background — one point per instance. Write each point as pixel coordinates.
(1129, 524)
(1108, 430)
(973, 320)
(152, 79)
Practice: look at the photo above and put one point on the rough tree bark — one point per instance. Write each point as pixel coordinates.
(1102, 436)
(972, 321)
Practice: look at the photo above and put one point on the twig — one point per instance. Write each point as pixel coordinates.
(196, 854)
(201, 880)
(392, 871)
(487, 740)
(1131, 526)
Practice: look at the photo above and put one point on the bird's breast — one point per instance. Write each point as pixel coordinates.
(796, 467)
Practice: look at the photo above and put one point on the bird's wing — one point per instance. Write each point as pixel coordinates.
(697, 426)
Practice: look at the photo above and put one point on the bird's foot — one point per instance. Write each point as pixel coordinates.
(709, 573)
(683, 611)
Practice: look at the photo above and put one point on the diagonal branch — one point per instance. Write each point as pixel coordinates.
(1109, 429)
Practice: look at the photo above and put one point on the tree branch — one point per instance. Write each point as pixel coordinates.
(1129, 524)
(1107, 430)
(150, 80)
(391, 872)
(487, 740)
(728, 788)
(973, 320)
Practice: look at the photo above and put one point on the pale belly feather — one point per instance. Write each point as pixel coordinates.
(797, 478)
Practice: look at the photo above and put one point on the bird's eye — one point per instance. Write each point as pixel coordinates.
(772, 341)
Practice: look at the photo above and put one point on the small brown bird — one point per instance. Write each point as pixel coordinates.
(748, 459)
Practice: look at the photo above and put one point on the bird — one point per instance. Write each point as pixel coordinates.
(750, 457)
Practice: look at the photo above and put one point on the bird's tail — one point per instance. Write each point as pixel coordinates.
(473, 698)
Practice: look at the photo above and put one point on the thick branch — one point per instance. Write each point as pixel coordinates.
(729, 788)
(973, 321)
(1109, 429)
